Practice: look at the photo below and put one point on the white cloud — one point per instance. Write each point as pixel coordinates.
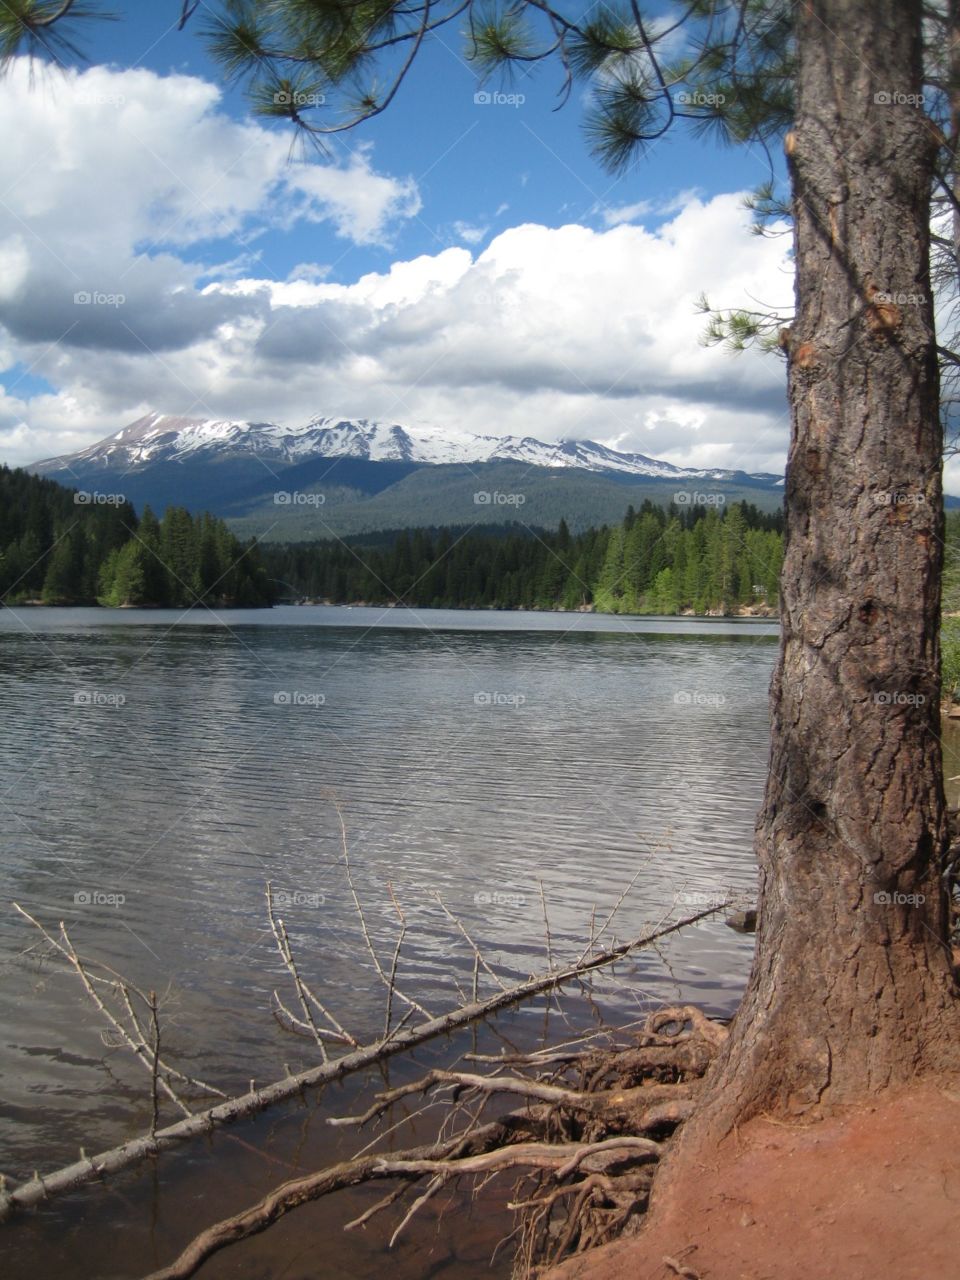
(109, 180)
(614, 215)
(469, 234)
(360, 202)
(548, 331)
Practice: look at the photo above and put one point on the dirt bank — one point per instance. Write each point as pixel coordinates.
(873, 1194)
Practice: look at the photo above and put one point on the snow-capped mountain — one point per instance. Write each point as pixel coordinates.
(161, 438)
(335, 477)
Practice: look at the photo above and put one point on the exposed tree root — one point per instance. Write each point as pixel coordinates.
(397, 1039)
(587, 1140)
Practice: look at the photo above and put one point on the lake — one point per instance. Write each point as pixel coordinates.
(159, 768)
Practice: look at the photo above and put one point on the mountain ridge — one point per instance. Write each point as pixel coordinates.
(335, 477)
(158, 437)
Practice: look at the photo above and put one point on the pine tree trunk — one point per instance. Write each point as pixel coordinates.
(852, 988)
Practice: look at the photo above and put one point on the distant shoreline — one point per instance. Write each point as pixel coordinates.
(745, 613)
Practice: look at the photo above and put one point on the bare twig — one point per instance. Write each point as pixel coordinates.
(393, 989)
(283, 946)
(138, 1048)
(679, 1269)
(396, 959)
(546, 926)
(129, 1153)
(121, 988)
(518, 1085)
(304, 993)
(290, 1022)
(562, 1158)
(155, 1026)
(595, 937)
(436, 1184)
(374, 1209)
(477, 954)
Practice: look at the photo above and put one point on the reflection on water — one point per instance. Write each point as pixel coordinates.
(155, 776)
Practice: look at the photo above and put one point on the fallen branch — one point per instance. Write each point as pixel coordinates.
(90, 1169)
(563, 1158)
(542, 1092)
(159, 1070)
(560, 1158)
(579, 1148)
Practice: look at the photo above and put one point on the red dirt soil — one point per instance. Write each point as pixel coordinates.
(872, 1194)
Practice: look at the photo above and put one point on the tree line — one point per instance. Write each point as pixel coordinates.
(63, 547)
(655, 560)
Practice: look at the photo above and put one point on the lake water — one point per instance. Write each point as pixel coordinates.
(159, 768)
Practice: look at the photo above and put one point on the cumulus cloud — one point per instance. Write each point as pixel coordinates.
(110, 178)
(119, 183)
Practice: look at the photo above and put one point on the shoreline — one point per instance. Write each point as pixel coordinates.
(745, 612)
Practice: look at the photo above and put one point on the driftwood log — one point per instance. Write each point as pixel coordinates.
(588, 1147)
(93, 1168)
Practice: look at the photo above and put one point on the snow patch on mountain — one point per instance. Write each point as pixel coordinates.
(160, 437)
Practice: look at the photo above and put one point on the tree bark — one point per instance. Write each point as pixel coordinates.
(851, 989)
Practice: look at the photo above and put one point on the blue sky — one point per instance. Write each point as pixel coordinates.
(469, 161)
(464, 265)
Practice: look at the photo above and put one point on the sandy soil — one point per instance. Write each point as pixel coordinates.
(873, 1194)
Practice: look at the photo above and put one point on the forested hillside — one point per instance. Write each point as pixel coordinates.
(654, 561)
(62, 547)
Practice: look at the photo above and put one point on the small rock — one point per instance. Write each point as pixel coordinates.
(742, 921)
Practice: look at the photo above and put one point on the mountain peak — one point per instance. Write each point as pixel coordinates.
(160, 437)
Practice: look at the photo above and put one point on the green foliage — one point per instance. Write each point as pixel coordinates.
(950, 649)
(654, 561)
(950, 628)
(43, 28)
(500, 38)
(63, 550)
(604, 41)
